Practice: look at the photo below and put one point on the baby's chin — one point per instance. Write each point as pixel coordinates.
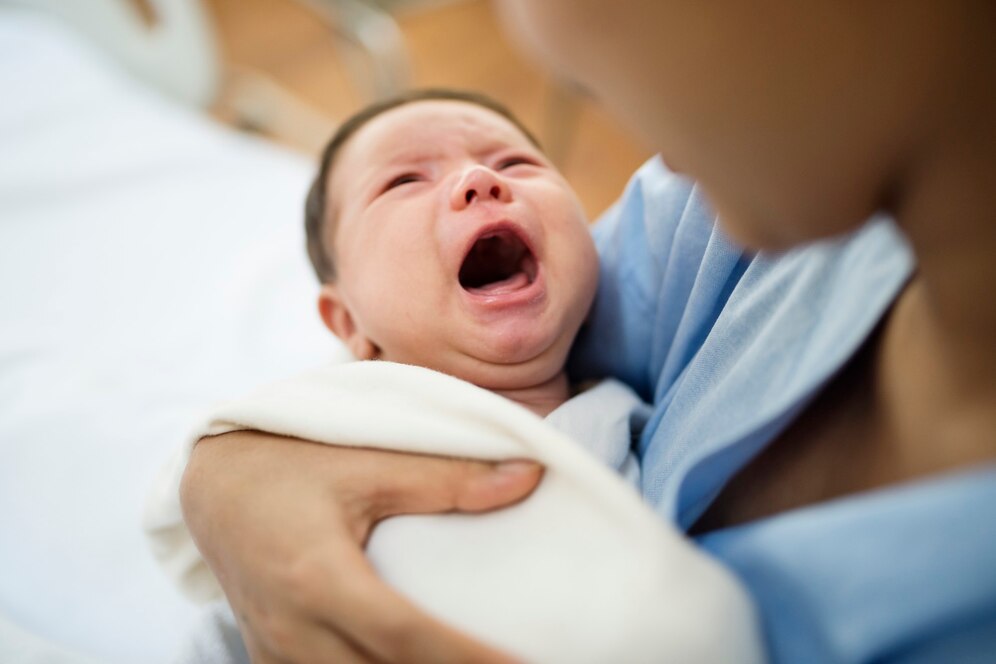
(505, 375)
(499, 361)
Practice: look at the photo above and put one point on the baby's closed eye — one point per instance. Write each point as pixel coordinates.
(403, 179)
(509, 162)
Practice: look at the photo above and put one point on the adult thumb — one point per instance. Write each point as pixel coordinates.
(437, 484)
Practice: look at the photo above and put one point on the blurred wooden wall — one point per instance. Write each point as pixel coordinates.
(454, 44)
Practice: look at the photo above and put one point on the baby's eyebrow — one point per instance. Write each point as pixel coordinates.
(422, 155)
(410, 157)
(371, 177)
(496, 146)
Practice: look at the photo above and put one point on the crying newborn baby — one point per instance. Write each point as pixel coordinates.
(444, 240)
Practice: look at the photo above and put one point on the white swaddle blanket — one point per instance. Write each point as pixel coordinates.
(581, 571)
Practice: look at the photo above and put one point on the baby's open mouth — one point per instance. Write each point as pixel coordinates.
(498, 262)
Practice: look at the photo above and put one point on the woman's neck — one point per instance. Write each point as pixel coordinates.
(938, 363)
(543, 398)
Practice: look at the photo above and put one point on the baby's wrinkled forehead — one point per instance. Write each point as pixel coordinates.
(431, 126)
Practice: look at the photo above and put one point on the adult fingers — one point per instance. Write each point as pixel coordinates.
(425, 484)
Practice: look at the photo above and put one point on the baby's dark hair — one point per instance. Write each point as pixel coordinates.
(315, 208)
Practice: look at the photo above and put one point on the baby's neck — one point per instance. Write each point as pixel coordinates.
(542, 399)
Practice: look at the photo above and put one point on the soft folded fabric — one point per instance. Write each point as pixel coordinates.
(582, 571)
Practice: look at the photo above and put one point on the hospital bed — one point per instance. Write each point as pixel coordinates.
(151, 263)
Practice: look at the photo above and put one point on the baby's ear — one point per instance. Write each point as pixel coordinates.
(338, 318)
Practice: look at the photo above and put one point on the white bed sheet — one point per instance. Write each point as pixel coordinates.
(151, 263)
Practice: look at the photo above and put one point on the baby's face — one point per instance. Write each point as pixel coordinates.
(458, 247)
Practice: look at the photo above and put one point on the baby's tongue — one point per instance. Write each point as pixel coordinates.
(507, 285)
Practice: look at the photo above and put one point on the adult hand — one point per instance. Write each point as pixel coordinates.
(282, 523)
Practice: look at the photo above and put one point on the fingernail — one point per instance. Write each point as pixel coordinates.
(516, 467)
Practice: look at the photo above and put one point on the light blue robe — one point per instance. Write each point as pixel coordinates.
(729, 348)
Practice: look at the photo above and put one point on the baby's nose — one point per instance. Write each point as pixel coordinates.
(479, 184)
